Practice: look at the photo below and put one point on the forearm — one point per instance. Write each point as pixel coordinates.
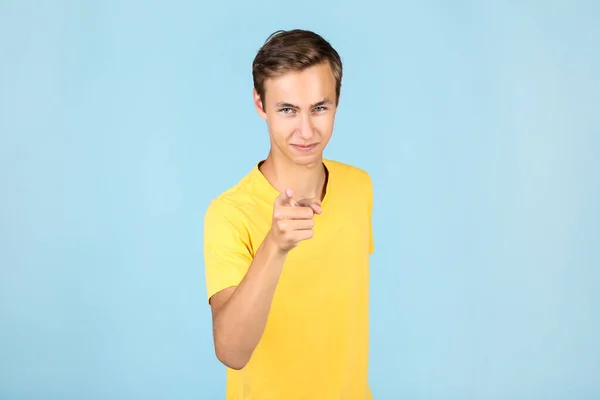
(240, 323)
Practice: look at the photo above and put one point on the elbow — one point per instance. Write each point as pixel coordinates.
(231, 357)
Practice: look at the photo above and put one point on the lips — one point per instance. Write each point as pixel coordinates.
(304, 147)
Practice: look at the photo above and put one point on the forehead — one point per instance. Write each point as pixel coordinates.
(306, 86)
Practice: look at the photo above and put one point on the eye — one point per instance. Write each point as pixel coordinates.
(320, 108)
(286, 110)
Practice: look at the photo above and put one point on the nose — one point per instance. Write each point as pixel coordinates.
(306, 129)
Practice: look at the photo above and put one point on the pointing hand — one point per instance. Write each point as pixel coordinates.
(293, 221)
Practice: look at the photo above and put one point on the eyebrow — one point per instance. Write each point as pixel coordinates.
(323, 102)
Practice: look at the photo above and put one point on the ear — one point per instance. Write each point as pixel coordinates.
(258, 104)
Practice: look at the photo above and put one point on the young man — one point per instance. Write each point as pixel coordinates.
(287, 248)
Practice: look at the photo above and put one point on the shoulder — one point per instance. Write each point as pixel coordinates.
(349, 173)
(231, 205)
(352, 182)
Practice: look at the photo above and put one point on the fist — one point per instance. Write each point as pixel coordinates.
(293, 221)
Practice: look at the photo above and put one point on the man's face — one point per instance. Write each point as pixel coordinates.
(300, 109)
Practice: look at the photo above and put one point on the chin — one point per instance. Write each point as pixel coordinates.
(307, 159)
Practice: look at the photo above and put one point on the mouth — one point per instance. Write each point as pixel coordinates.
(304, 147)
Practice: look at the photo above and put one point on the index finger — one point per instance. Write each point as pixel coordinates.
(285, 199)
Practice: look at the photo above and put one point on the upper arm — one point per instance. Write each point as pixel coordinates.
(227, 253)
(218, 300)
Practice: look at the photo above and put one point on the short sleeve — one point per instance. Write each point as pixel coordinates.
(227, 254)
(370, 200)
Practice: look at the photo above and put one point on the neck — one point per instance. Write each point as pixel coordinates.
(307, 181)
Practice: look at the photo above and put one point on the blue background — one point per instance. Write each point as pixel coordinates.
(479, 123)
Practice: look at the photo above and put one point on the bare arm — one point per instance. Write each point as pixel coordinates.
(240, 313)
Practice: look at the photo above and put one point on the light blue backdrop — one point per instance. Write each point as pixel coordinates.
(478, 121)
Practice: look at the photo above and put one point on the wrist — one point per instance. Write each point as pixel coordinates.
(272, 247)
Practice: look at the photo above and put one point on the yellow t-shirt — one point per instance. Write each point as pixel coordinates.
(316, 342)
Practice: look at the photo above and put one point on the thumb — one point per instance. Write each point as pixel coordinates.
(313, 203)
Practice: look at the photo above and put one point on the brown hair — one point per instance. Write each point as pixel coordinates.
(294, 50)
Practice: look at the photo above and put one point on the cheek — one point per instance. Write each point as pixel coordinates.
(281, 128)
(324, 125)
